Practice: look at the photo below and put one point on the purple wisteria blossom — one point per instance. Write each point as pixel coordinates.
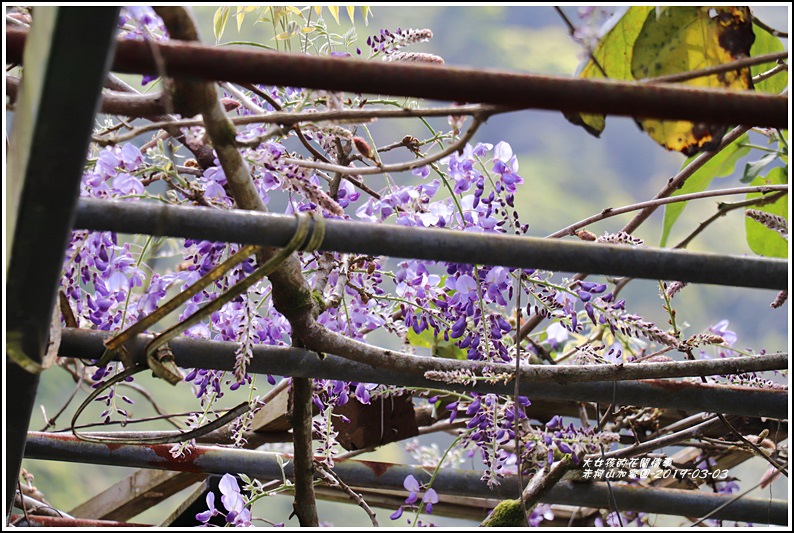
(237, 514)
(414, 489)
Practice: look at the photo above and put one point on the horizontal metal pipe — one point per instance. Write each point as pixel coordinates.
(33, 520)
(569, 95)
(435, 244)
(370, 474)
(283, 361)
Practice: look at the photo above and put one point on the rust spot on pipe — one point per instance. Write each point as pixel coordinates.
(377, 467)
(185, 462)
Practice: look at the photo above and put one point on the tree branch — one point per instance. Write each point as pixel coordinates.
(398, 167)
(611, 212)
(736, 64)
(726, 208)
(113, 103)
(193, 353)
(304, 506)
(285, 118)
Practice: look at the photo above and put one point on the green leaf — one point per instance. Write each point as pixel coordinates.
(219, 21)
(754, 168)
(437, 346)
(422, 340)
(719, 166)
(766, 43)
(761, 239)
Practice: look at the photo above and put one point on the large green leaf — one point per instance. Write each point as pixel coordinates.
(719, 166)
(766, 43)
(761, 239)
(754, 168)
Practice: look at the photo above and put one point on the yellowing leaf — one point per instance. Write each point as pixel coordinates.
(613, 57)
(351, 12)
(645, 42)
(289, 34)
(279, 13)
(366, 12)
(240, 15)
(682, 39)
(219, 21)
(335, 12)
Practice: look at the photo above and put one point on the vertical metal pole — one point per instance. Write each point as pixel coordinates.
(66, 59)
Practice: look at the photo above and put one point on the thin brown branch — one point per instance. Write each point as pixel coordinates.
(726, 208)
(781, 67)
(660, 442)
(252, 106)
(285, 118)
(543, 481)
(336, 482)
(777, 33)
(672, 185)
(726, 504)
(51, 420)
(320, 339)
(611, 212)
(572, 33)
(241, 97)
(112, 103)
(397, 167)
(758, 451)
(678, 180)
(718, 69)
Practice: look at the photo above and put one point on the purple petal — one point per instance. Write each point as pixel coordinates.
(411, 484)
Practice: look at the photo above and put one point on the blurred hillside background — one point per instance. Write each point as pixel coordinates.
(568, 175)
